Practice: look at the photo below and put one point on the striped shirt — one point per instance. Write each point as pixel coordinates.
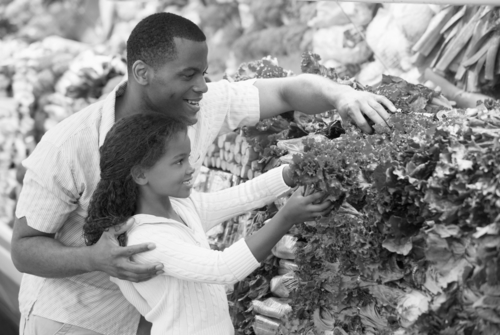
(62, 173)
(189, 298)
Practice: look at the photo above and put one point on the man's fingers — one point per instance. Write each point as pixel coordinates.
(386, 102)
(143, 269)
(360, 121)
(136, 249)
(134, 277)
(374, 114)
(381, 111)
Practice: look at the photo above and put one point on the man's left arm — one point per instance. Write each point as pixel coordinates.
(312, 94)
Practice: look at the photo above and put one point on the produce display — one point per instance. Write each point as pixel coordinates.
(412, 246)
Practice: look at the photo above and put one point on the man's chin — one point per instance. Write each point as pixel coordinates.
(190, 121)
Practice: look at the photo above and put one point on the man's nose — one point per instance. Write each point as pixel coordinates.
(201, 85)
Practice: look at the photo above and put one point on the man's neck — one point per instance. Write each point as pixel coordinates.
(129, 103)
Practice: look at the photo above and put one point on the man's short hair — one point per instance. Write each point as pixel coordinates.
(152, 39)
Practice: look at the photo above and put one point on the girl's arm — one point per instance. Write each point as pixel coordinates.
(217, 207)
(185, 260)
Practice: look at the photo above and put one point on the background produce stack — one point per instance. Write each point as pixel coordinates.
(461, 45)
(43, 83)
(232, 153)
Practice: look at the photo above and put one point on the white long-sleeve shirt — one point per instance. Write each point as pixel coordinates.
(189, 298)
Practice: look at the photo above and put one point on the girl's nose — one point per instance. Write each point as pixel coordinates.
(190, 170)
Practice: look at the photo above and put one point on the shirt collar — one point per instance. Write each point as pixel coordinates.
(108, 110)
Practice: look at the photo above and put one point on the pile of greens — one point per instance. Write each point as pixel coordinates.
(413, 244)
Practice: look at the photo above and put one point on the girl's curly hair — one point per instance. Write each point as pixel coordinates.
(138, 140)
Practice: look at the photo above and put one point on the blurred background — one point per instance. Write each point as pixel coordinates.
(58, 56)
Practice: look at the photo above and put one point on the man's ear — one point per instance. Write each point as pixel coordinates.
(138, 175)
(142, 72)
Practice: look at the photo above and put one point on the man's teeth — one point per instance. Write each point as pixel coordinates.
(194, 103)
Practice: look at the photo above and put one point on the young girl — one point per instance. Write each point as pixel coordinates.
(145, 173)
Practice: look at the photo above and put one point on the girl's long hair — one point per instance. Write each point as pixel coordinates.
(138, 140)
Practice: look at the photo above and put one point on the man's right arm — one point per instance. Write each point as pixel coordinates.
(40, 254)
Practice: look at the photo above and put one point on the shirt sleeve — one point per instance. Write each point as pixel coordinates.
(216, 207)
(236, 103)
(185, 260)
(48, 194)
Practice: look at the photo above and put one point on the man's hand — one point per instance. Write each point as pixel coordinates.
(355, 105)
(109, 257)
(313, 94)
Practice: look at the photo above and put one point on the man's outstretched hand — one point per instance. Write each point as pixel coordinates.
(355, 106)
(107, 256)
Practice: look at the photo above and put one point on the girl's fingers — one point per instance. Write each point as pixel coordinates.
(320, 207)
(326, 211)
(315, 196)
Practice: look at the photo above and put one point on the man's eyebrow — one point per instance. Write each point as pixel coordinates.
(193, 68)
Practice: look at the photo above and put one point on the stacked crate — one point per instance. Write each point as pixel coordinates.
(232, 153)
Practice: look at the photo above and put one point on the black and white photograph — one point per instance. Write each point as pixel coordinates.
(249, 167)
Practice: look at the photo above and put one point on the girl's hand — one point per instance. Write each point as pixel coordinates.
(300, 208)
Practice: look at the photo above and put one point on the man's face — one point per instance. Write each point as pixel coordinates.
(178, 85)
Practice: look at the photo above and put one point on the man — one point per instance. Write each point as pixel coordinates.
(67, 285)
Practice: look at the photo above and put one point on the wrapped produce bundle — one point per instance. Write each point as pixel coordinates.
(272, 307)
(286, 247)
(323, 320)
(287, 266)
(265, 326)
(283, 285)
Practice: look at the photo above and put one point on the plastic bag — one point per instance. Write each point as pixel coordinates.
(283, 285)
(287, 266)
(265, 326)
(272, 307)
(286, 247)
(337, 43)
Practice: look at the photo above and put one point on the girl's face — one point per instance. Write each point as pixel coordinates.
(172, 175)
